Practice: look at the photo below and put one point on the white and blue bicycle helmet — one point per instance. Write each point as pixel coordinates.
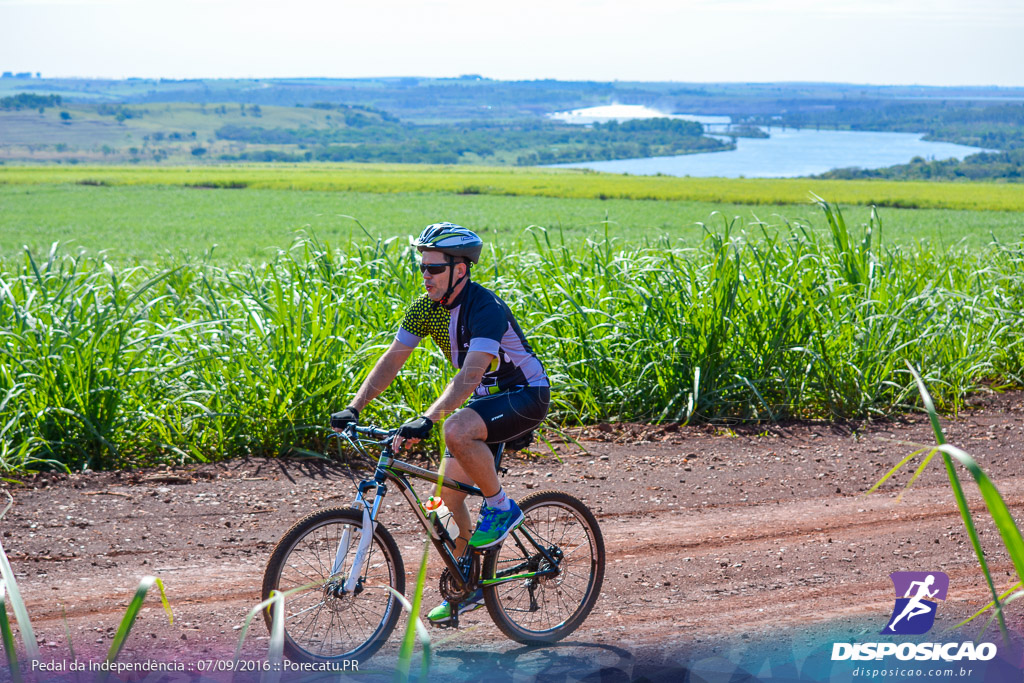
(452, 240)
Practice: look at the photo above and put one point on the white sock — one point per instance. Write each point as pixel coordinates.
(499, 500)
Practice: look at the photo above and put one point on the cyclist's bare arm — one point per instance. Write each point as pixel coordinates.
(462, 385)
(383, 373)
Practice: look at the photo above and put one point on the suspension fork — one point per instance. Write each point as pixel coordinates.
(369, 525)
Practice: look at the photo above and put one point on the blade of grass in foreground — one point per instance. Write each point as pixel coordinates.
(8, 636)
(1002, 596)
(961, 499)
(898, 466)
(67, 632)
(1006, 601)
(134, 607)
(997, 508)
(402, 671)
(275, 654)
(28, 636)
(415, 625)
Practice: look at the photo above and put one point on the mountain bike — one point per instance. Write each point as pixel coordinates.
(538, 585)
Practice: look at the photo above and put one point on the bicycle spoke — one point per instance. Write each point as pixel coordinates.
(305, 578)
(300, 613)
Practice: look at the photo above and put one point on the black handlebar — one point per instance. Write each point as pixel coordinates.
(374, 432)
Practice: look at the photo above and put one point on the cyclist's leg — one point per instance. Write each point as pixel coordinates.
(501, 417)
(496, 419)
(459, 432)
(465, 435)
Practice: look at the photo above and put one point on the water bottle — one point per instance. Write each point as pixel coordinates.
(444, 515)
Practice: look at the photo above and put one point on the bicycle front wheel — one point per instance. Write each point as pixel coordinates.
(547, 574)
(322, 622)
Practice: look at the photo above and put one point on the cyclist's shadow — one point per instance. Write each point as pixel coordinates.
(571, 662)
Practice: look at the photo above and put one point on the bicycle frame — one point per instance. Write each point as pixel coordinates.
(389, 468)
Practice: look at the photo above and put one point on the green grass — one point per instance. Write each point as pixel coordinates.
(108, 365)
(537, 182)
(144, 222)
(130, 343)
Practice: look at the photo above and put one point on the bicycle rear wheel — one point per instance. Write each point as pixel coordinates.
(322, 625)
(545, 609)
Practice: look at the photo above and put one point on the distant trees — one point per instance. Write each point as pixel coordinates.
(985, 166)
(994, 126)
(267, 155)
(679, 127)
(30, 101)
(354, 110)
(367, 138)
(119, 111)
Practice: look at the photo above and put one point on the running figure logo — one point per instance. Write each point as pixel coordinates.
(914, 612)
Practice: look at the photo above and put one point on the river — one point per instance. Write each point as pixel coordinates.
(787, 153)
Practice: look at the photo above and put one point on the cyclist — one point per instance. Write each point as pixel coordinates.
(498, 372)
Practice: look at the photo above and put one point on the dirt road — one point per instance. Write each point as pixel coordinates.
(714, 536)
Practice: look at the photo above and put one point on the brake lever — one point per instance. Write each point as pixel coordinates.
(347, 434)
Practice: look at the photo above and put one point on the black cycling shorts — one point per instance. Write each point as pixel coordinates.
(511, 413)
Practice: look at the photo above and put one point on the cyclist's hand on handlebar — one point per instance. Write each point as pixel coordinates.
(413, 431)
(344, 418)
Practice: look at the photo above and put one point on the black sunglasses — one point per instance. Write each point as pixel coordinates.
(434, 268)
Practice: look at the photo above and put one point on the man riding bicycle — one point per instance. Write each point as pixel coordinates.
(498, 372)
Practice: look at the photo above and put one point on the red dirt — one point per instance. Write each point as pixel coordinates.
(714, 536)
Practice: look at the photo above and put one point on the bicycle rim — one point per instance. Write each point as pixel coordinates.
(320, 626)
(546, 608)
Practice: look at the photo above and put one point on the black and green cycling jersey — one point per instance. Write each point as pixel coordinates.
(476, 321)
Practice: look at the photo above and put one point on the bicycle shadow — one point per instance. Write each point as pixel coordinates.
(569, 662)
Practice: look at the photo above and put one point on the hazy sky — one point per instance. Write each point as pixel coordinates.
(930, 42)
